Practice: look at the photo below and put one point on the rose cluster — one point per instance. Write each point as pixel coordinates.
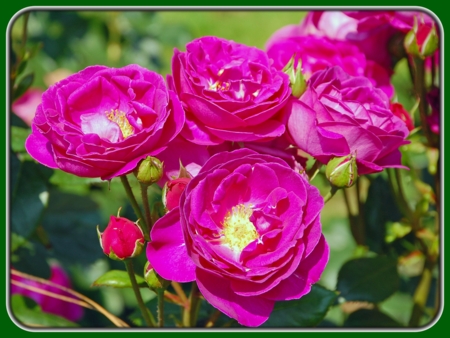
(242, 217)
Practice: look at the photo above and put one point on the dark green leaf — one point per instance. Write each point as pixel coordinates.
(23, 85)
(33, 315)
(307, 311)
(118, 279)
(370, 279)
(70, 222)
(370, 318)
(380, 207)
(16, 121)
(32, 258)
(22, 67)
(172, 313)
(29, 194)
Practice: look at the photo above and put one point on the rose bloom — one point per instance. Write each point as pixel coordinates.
(400, 111)
(340, 115)
(230, 92)
(371, 31)
(248, 231)
(102, 121)
(48, 303)
(318, 53)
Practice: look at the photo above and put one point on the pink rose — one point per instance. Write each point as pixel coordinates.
(400, 111)
(47, 303)
(121, 239)
(248, 231)
(102, 121)
(340, 115)
(230, 92)
(25, 106)
(172, 192)
(318, 53)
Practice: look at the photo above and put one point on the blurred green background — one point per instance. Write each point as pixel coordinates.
(68, 41)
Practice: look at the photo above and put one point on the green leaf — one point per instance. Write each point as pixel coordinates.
(370, 318)
(118, 279)
(31, 314)
(29, 195)
(23, 85)
(307, 311)
(18, 138)
(380, 208)
(371, 279)
(32, 258)
(70, 223)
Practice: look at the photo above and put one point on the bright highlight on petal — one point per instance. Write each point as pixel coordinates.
(238, 231)
(120, 118)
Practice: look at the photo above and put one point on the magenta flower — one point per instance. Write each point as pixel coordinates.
(102, 121)
(340, 115)
(172, 192)
(318, 53)
(230, 92)
(121, 239)
(48, 303)
(400, 111)
(248, 231)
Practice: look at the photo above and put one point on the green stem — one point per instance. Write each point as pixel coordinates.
(353, 221)
(148, 217)
(420, 297)
(149, 320)
(134, 203)
(360, 224)
(160, 295)
(312, 172)
(330, 194)
(190, 314)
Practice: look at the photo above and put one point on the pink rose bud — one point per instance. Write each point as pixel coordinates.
(400, 111)
(172, 191)
(121, 239)
(422, 40)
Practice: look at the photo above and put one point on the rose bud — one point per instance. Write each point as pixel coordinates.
(172, 191)
(422, 40)
(121, 239)
(400, 111)
(298, 82)
(155, 282)
(342, 172)
(149, 170)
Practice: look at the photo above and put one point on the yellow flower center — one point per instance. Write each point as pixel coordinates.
(238, 231)
(120, 118)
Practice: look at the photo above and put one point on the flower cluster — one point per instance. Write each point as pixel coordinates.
(229, 142)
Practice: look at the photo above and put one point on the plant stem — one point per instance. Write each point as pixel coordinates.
(148, 217)
(134, 203)
(420, 297)
(149, 320)
(312, 172)
(179, 291)
(353, 221)
(190, 314)
(160, 295)
(330, 194)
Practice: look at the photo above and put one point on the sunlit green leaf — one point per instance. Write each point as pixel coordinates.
(118, 279)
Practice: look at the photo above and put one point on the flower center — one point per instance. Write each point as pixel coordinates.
(238, 231)
(120, 118)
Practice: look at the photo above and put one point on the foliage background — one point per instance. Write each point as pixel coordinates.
(55, 216)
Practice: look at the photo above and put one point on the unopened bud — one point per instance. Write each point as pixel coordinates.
(149, 170)
(342, 172)
(154, 281)
(172, 191)
(422, 40)
(298, 82)
(121, 239)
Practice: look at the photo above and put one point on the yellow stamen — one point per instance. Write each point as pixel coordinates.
(120, 118)
(238, 231)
